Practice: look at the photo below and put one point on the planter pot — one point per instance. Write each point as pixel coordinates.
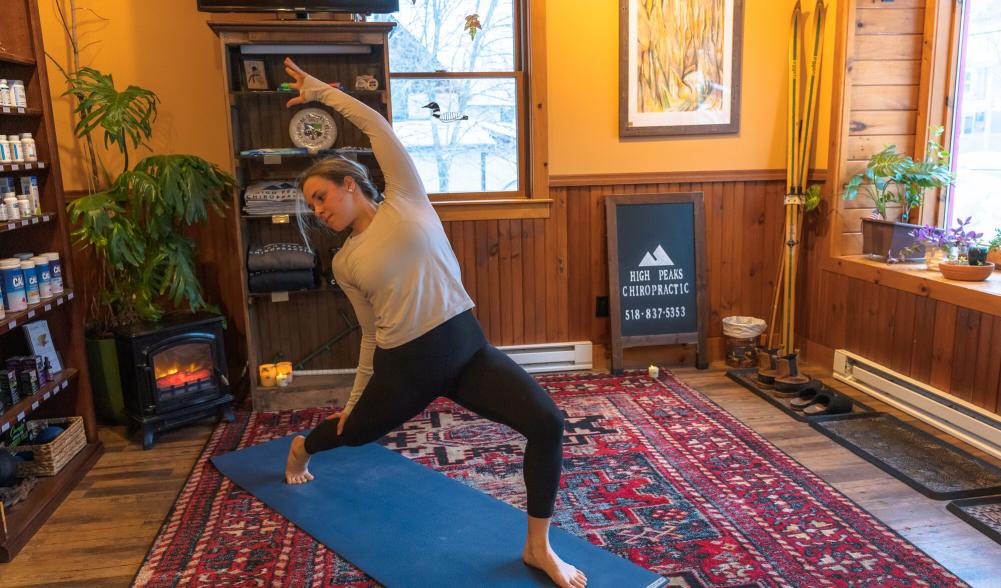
(995, 258)
(885, 239)
(106, 381)
(965, 272)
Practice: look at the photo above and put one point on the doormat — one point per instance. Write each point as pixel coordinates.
(983, 514)
(922, 461)
(748, 378)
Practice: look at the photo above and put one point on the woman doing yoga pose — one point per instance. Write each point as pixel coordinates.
(420, 339)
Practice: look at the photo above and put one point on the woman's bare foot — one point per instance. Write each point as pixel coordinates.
(296, 471)
(562, 573)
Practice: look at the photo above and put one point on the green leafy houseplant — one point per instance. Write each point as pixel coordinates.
(136, 224)
(895, 177)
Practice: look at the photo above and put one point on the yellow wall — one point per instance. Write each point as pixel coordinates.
(167, 47)
(583, 69)
(164, 46)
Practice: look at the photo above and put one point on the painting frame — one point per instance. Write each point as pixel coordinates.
(634, 124)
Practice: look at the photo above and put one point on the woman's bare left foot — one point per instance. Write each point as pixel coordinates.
(296, 471)
(559, 571)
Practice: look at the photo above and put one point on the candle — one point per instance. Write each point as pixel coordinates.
(283, 369)
(282, 379)
(266, 371)
(653, 371)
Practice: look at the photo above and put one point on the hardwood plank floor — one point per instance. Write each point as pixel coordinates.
(100, 534)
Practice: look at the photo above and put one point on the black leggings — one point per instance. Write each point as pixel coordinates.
(454, 360)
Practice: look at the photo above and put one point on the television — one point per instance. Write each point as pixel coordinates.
(360, 6)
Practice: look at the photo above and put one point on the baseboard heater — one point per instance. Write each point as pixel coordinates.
(544, 357)
(959, 418)
(551, 357)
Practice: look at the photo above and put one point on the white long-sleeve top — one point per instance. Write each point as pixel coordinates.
(400, 273)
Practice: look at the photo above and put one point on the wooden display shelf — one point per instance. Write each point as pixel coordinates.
(276, 158)
(16, 59)
(23, 166)
(6, 226)
(13, 319)
(28, 404)
(26, 517)
(19, 111)
(284, 294)
(290, 93)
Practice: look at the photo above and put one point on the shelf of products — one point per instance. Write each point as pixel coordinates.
(23, 519)
(57, 323)
(30, 403)
(6, 226)
(13, 319)
(22, 167)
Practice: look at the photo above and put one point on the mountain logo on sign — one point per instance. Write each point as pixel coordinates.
(657, 259)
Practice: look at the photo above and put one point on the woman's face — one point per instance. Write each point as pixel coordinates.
(334, 204)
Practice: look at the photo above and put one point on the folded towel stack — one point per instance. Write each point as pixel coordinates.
(282, 267)
(267, 198)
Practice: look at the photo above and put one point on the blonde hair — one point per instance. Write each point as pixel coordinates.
(335, 169)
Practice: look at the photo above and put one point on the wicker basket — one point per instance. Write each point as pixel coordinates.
(51, 457)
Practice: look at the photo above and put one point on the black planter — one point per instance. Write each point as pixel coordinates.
(885, 239)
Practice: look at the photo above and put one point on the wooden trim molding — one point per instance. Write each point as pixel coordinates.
(676, 177)
(981, 296)
(473, 210)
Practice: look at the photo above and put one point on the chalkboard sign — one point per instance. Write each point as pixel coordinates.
(656, 262)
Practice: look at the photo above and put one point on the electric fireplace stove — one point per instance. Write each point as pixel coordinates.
(173, 373)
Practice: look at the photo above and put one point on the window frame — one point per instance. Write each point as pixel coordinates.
(529, 78)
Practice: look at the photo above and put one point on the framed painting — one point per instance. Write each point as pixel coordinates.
(679, 67)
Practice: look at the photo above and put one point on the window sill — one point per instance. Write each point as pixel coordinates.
(916, 279)
(499, 209)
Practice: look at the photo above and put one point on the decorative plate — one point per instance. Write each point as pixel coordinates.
(313, 129)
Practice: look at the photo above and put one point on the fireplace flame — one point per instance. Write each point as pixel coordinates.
(176, 376)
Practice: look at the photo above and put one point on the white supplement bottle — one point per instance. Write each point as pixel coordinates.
(17, 93)
(16, 155)
(28, 146)
(5, 155)
(6, 99)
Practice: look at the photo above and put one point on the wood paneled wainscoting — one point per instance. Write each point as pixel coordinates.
(952, 347)
(537, 280)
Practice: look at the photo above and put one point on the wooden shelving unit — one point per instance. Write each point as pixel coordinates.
(23, 58)
(297, 323)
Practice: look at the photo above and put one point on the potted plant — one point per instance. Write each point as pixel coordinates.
(994, 249)
(968, 258)
(136, 223)
(895, 177)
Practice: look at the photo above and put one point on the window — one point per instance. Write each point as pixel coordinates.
(458, 101)
(976, 142)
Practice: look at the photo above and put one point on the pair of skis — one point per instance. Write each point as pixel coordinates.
(801, 125)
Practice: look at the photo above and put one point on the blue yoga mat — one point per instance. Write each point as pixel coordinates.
(409, 526)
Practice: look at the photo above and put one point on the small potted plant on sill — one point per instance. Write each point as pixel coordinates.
(994, 250)
(969, 261)
(895, 177)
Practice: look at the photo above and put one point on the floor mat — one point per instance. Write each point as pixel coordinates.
(922, 461)
(984, 514)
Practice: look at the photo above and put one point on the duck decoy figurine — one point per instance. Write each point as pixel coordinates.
(445, 117)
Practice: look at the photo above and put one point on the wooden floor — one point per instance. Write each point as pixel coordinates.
(100, 535)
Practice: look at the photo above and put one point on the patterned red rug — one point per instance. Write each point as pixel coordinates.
(654, 472)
